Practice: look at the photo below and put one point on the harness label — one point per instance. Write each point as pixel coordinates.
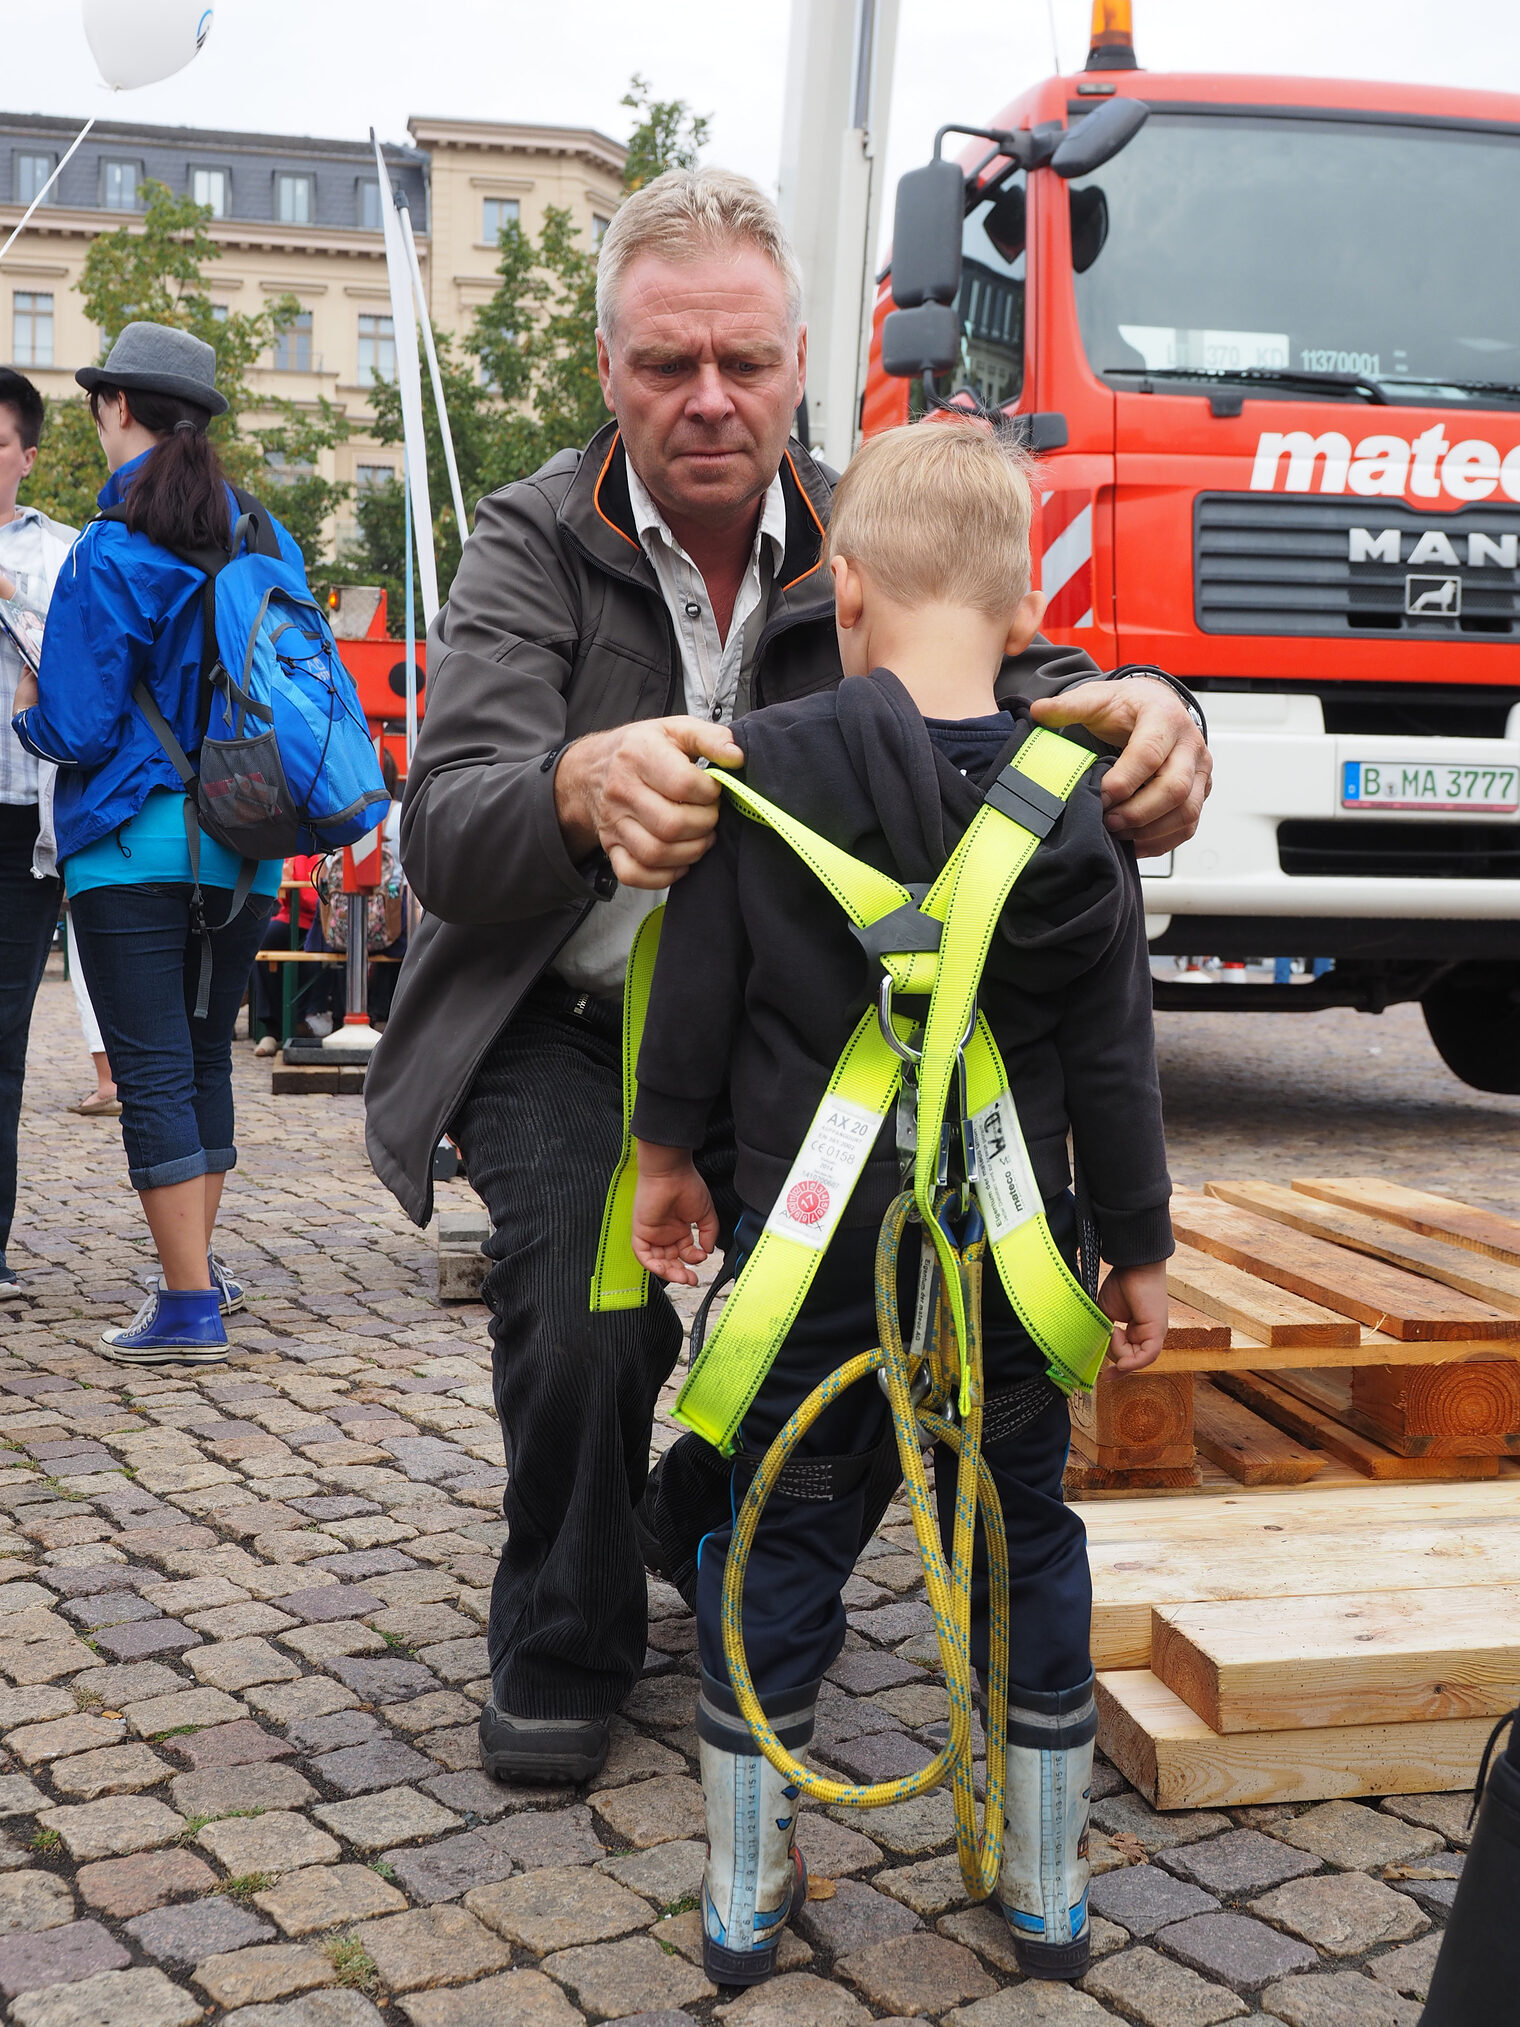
(828, 1163)
(1005, 1184)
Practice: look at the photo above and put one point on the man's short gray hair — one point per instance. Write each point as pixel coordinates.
(684, 214)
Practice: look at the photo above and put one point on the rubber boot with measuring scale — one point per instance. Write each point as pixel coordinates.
(1043, 1882)
(755, 1880)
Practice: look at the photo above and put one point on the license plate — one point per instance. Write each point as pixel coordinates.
(1423, 784)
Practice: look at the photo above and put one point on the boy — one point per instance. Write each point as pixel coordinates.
(757, 989)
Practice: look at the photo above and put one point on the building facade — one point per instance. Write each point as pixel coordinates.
(289, 216)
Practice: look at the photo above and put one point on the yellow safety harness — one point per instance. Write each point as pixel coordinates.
(933, 945)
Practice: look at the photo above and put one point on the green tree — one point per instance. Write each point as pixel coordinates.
(667, 135)
(70, 468)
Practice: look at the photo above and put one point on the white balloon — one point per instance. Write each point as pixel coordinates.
(137, 42)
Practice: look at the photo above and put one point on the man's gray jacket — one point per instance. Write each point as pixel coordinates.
(555, 627)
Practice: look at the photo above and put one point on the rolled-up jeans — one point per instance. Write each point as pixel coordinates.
(173, 1073)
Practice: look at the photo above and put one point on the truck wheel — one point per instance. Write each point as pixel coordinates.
(1474, 1020)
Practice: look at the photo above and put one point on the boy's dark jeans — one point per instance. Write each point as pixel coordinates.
(540, 1132)
(804, 1551)
(173, 1073)
(28, 917)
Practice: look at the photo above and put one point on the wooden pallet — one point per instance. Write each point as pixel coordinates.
(1355, 1323)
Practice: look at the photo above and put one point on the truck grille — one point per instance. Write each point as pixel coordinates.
(1274, 563)
(1370, 849)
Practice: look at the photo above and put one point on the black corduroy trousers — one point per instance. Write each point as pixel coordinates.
(575, 1392)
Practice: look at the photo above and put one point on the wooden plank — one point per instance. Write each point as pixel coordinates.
(1177, 1762)
(1265, 1313)
(1437, 1259)
(1083, 1476)
(1188, 1329)
(1441, 1410)
(1383, 1297)
(1379, 1657)
(1228, 1434)
(1234, 1514)
(1421, 1210)
(1135, 1419)
(1296, 1403)
(1247, 1354)
(1419, 1411)
(1131, 1576)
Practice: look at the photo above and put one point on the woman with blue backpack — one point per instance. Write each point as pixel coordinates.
(172, 863)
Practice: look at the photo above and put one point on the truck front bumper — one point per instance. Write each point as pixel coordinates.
(1273, 761)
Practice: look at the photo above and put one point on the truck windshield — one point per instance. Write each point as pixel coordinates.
(1312, 245)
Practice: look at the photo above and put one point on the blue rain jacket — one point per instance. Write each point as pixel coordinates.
(123, 611)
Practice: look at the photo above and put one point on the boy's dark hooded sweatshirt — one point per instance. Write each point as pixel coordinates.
(760, 981)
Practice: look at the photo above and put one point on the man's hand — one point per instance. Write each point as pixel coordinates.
(1135, 1297)
(1154, 792)
(637, 793)
(674, 1224)
(26, 691)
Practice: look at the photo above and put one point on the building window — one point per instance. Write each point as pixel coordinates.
(369, 206)
(599, 227)
(293, 197)
(370, 478)
(32, 172)
(209, 187)
(498, 211)
(32, 340)
(118, 185)
(377, 349)
(292, 346)
(219, 312)
(285, 470)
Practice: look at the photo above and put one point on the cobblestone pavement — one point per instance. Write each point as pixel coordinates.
(241, 1641)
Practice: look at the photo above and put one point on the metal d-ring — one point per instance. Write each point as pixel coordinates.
(890, 1035)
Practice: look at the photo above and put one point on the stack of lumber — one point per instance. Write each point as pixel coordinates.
(1300, 1645)
(1335, 1610)
(1340, 1323)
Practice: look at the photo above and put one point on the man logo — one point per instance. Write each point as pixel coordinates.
(1433, 597)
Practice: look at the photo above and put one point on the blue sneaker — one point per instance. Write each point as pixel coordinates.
(229, 1292)
(9, 1278)
(175, 1326)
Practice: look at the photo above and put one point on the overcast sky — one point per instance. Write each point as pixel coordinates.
(338, 66)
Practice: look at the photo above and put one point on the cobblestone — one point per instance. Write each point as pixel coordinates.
(1345, 1914)
(335, 1484)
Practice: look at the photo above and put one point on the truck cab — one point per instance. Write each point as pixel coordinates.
(1268, 353)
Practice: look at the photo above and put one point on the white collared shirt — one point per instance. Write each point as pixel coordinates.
(33, 550)
(712, 669)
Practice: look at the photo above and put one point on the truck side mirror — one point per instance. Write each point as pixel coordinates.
(1098, 137)
(926, 235)
(926, 339)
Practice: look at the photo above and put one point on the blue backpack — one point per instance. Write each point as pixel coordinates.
(286, 761)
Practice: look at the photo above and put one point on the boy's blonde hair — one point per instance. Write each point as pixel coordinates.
(684, 214)
(938, 513)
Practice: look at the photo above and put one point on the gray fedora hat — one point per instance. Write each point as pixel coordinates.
(158, 359)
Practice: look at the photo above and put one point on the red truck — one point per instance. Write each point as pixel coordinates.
(1265, 336)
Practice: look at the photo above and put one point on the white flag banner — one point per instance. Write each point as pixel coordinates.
(409, 380)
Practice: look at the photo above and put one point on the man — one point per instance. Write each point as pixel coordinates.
(32, 551)
(610, 617)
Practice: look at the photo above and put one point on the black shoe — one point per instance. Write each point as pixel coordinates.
(1477, 1973)
(9, 1278)
(551, 1749)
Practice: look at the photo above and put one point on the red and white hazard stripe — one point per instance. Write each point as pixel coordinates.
(1066, 544)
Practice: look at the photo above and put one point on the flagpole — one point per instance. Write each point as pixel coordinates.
(424, 317)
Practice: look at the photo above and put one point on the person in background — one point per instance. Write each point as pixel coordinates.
(102, 1102)
(267, 984)
(129, 613)
(33, 549)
